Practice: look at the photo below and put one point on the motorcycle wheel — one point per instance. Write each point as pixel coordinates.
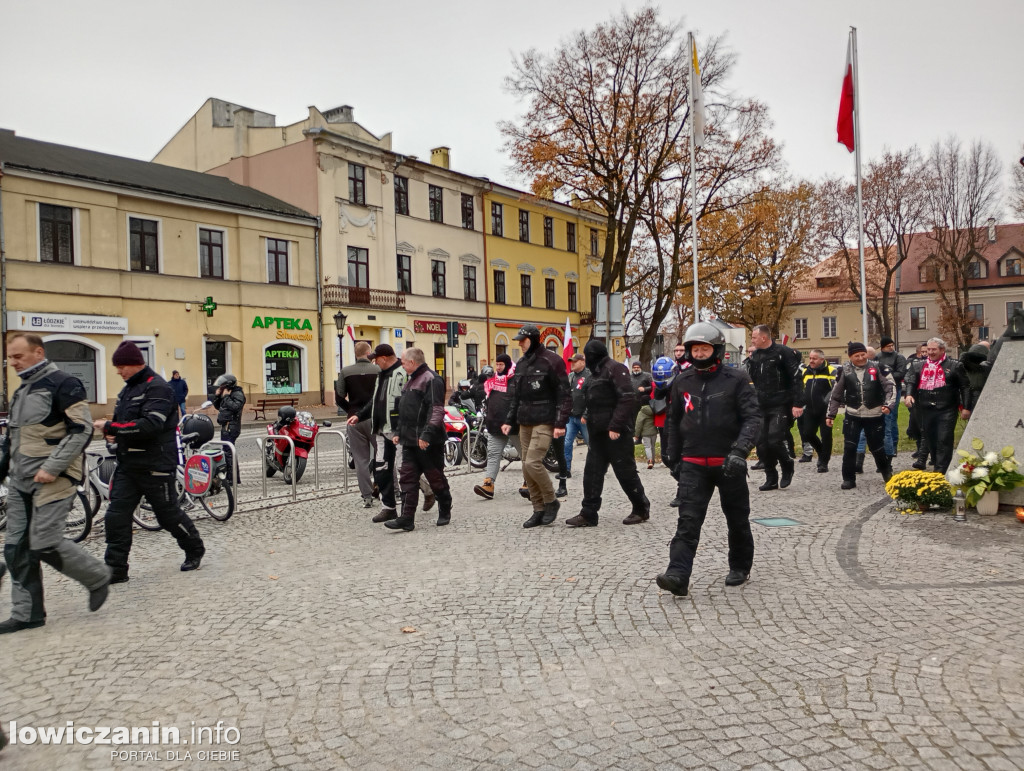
(271, 469)
(477, 449)
(452, 452)
(300, 468)
(551, 459)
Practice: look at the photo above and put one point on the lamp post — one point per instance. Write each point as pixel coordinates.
(339, 322)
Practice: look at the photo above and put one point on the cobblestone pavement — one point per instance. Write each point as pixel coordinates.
(865, 639)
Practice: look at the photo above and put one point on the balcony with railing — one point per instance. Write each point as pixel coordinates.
(380, 299)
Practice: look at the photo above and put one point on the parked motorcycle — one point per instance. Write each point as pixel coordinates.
(476, 448)
(456, 429)
(302, 428)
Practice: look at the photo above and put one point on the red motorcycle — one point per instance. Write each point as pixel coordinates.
(302, 429)
(456, 429)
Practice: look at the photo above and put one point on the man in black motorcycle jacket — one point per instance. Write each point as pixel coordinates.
(229, 400)
(774, 370)
(609, 413)
(145, 431)
(712, 424)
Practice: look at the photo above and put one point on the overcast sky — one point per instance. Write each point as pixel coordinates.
(122, 77)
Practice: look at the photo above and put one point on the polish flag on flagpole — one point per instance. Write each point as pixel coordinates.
(628, 356)
(844, 126)
(351, 333)
(785, 339)
(567, 350)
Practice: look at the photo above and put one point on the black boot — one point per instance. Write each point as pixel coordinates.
(759, 466)
(641, 513)
(561, 492)
(550, 512)
(771, 481)
(401, 523)
(536, 520)
(859, 466)
(787, 474)
(444, 516)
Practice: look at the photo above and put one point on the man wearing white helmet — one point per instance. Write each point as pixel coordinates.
(712, 424)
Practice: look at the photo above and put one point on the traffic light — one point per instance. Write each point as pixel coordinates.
(453, 334)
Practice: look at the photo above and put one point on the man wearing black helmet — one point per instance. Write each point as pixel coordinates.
(540, 405)
(609, 412)
(712, 424)
(229, 401)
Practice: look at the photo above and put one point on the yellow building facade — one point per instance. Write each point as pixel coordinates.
(543, 267)
(205, 276)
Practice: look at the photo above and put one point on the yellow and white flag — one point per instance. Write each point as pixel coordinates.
(696, 97)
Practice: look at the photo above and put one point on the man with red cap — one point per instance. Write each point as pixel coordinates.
(144, 428)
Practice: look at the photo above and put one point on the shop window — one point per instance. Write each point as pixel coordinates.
(76, 359)
(56, 234)
(283, 369)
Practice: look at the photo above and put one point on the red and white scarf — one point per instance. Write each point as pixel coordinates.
(932, 375)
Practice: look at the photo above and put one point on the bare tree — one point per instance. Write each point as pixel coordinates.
(1017, 188)
(894, 203)
(963, 193)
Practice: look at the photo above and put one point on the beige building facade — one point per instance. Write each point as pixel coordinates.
(204, 275)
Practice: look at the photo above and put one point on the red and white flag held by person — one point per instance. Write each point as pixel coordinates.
(567, 350)
(844, 126)
(629, 355)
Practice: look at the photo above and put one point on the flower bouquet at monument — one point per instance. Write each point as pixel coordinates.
(915, 491)
(981, 472)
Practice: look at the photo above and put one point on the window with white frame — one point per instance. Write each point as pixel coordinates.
(828, 326)
(800, 331)
(918, 317)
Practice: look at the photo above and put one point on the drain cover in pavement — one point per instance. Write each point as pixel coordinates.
(777, 522)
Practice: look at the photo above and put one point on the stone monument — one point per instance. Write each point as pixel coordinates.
(998, 417)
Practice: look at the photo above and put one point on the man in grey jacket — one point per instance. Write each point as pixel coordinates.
(869, 393)
(49, 427)
(353, 391)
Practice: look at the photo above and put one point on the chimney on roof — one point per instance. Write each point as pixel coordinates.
(991, 230)
(343, 114)
(441, 156)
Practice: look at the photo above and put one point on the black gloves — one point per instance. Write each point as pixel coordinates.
(735, 466)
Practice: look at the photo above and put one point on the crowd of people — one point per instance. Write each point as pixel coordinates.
(707, 417)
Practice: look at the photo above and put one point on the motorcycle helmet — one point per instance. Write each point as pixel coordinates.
(487, 372)
(663, 372)
(198, 424)
(285, 414)
(702, 332)
(464, 385)
(227, 380)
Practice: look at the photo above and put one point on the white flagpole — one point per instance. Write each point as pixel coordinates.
(693, 182)
(860, 205)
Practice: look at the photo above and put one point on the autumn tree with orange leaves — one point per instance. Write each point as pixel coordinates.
(606, 121)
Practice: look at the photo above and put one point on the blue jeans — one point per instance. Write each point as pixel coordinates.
(892, 431)
(573, 428)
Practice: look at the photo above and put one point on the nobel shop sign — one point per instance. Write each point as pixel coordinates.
(287, 328)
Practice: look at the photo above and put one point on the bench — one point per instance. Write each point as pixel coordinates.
(272, 403)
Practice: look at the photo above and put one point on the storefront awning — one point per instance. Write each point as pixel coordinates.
(222, 339)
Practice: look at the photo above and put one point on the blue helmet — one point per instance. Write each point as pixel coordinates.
(663, 371)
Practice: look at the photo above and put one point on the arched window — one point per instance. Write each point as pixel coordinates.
(282, 366)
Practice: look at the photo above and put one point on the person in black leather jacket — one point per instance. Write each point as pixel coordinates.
(712, 424)
(229, 400)
(540, 406)
(774, 370)
(610, 401)
(936, 388)
(144, 428)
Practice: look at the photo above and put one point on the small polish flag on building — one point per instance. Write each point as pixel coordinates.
(785, 339)
(567, 349)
